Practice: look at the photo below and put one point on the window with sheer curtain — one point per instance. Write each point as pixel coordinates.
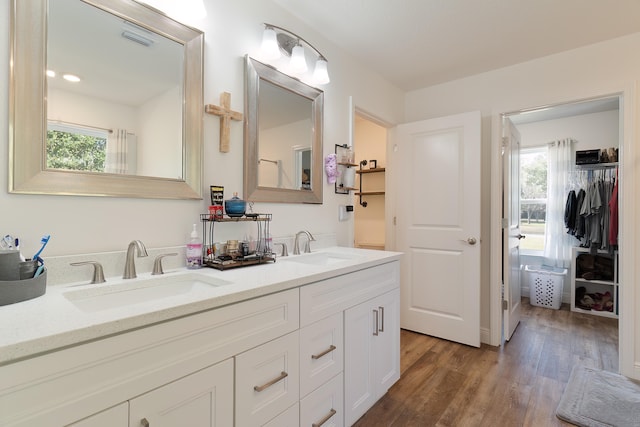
(558, 243)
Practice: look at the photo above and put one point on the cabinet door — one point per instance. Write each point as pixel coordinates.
(372, 352)
(118, 416)
(387, 342)
(359, 385)
(267, 380)
(202, 399)
(321, 352)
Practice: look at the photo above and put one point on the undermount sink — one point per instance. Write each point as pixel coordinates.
(140, 291)
(321, 258)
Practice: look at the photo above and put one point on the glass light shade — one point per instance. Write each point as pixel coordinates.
(298, 62)
(320, 73)
(270, 49)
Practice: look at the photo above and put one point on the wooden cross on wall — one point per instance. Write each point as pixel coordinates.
(226, 115)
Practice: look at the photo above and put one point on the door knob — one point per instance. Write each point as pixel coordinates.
(521, 236)
(471, 240)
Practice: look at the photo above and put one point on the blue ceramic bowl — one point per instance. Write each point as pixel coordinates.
(235, 207)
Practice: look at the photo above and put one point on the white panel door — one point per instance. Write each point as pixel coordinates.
(438, 226)
(511, 234)
(202, 399)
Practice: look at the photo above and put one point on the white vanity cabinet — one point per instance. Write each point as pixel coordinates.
(317, 354)
(372, 353)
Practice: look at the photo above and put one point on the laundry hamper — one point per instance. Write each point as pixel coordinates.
(545, 285)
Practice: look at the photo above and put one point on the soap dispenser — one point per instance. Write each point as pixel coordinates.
(194, 250)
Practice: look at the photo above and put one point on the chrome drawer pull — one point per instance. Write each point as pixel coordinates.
(144, 422)
(381, 319)
(325, 419)
(329, 350)
(282, 376)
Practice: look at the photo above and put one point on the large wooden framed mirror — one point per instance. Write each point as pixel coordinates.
(283, 137)
(139, 101)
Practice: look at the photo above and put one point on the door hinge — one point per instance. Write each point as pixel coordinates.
(394, 220)
(505, 304)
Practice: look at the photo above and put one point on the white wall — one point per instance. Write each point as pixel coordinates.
(74, 108)
(159, 130)
(232, 29)
(595, 70)
(595, 130)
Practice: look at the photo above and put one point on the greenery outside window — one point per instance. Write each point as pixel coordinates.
(76, 148)
(533, 198)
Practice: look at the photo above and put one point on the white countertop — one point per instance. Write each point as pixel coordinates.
(52, 321)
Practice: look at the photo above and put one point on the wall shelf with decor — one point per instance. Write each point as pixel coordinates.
(344, 163)
(362, 171)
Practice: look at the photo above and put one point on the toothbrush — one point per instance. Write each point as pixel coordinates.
(44, 241)
(39, 271)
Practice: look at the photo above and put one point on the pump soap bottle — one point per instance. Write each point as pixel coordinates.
(194, 250)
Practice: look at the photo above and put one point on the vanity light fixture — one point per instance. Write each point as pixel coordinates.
(277, 41)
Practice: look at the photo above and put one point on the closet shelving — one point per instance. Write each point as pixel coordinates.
(596, 271)
(598, 274)
(597, 166)
(361, 193)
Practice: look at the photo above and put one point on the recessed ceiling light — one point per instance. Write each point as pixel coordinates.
(71, 78)
(51, 73)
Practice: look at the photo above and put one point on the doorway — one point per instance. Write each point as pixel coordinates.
(370, 146)
(594, 126)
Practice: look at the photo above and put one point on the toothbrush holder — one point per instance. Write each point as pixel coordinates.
(12, 291)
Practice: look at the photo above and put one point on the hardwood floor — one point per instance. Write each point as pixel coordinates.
(449, 384)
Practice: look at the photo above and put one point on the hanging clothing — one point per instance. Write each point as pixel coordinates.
(570, 212)
(613, 215)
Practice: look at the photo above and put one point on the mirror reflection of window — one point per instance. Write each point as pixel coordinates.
(128, 78)
(76, 148)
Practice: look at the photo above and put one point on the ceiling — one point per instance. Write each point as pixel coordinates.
(419, 43)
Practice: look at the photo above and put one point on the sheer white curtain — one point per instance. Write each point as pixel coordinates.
(557, 245)
(116, 152)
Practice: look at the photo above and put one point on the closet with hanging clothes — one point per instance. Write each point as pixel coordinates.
(591, 216)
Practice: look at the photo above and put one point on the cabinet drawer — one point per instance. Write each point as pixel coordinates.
(267, 380)
(327, 297)
(201, 399)
(288, 418)
(324, 407)
(321, 352)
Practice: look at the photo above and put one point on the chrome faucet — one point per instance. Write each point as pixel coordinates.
(307, 246)
(130, 265)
